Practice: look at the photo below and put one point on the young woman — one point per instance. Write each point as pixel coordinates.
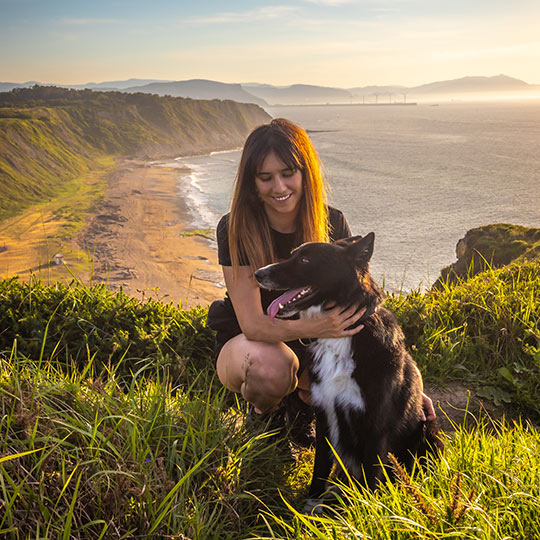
(279, 202)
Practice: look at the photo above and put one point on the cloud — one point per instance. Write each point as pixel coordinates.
(392, 5)
(329, 2)
(523, 50)
(86, 22)
(263, 13)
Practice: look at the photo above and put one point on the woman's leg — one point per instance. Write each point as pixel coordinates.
(304, 387)
(264, 373)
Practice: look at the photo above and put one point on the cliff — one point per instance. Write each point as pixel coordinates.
(50, 135)
(491, 246)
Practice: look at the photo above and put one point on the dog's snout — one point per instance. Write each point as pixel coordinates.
(264, 276)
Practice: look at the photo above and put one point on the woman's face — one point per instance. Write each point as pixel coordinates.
(280, 190)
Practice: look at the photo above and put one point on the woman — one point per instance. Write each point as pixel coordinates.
(279, 202)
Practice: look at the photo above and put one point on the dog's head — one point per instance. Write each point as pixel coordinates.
(317, 273)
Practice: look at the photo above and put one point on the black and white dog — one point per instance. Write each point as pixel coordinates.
(366, 389)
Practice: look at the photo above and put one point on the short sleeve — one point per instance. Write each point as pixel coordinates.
(224, 252)
(222, 236)
(339, 228)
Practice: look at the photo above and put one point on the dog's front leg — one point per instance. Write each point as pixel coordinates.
(323, 458)
(374, 458)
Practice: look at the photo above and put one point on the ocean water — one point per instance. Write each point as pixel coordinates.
(418, 176)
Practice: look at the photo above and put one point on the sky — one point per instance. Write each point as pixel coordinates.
(339, 43)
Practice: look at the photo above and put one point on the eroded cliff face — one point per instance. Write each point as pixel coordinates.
(491, 246)
(49, 136)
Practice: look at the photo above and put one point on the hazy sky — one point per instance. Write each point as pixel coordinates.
(342, 43)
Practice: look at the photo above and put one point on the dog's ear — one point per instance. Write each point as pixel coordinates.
(359, 248)
(344, 242)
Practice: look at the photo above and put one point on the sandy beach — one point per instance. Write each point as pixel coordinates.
(136, 237)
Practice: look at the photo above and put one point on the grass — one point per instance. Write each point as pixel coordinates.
(65, 322)
(483, 330)
(113, 425)
(90, 456)
(486, 485)
(209, 234)
(126, 457)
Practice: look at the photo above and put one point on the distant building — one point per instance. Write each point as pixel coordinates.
(58, 258)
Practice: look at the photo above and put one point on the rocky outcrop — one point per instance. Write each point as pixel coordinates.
(491, 246)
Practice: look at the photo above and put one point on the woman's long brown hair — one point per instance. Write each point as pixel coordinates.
(250, 240)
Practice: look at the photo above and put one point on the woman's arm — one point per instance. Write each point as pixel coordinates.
(257, 326)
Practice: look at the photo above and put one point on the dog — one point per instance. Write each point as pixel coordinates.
(366, 389)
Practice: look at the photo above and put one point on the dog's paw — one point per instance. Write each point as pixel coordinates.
(313, 507)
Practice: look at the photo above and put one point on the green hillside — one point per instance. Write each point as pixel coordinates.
(51, 135)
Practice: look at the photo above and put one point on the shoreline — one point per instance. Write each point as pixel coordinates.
(136, 239)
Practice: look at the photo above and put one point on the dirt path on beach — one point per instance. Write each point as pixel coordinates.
(136, 239)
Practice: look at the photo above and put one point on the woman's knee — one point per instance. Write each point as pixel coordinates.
(261, 367)
(272, 369)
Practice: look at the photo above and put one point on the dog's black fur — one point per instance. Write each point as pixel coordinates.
(380, 369)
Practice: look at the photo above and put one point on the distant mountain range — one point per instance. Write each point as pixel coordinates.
(303, 94)
(198, 89)
(298, 93)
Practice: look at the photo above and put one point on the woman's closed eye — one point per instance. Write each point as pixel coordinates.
(285, 173)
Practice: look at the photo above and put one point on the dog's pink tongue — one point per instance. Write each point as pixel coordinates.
(273, 308)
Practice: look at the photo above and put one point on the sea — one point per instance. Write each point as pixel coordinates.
(419, 176)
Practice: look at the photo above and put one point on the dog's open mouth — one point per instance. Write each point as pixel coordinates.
(285, 304)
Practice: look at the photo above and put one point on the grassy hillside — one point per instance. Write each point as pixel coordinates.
(483, 331)
(114, 426)
(491, 246)
(49, 135)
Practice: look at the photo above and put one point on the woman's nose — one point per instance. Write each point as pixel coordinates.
(279, 184)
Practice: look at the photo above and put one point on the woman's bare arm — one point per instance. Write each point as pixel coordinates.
(257, 326)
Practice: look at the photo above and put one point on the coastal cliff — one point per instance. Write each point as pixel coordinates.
(491, 246)
(50, 135)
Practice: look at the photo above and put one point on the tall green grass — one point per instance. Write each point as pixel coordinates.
(87, 456)
(113, 425)
(485, 485)
(484, 331)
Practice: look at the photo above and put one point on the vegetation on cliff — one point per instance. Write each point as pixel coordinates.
(50, 135)
(491, 246)
(115, 426)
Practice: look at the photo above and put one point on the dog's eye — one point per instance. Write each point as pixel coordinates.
(304, 260)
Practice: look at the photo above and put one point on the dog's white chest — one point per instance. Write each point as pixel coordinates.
(333, 366)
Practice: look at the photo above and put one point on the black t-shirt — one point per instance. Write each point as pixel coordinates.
(284, 243)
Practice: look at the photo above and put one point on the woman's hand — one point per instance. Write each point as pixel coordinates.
(428, 409)
(333, 322)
